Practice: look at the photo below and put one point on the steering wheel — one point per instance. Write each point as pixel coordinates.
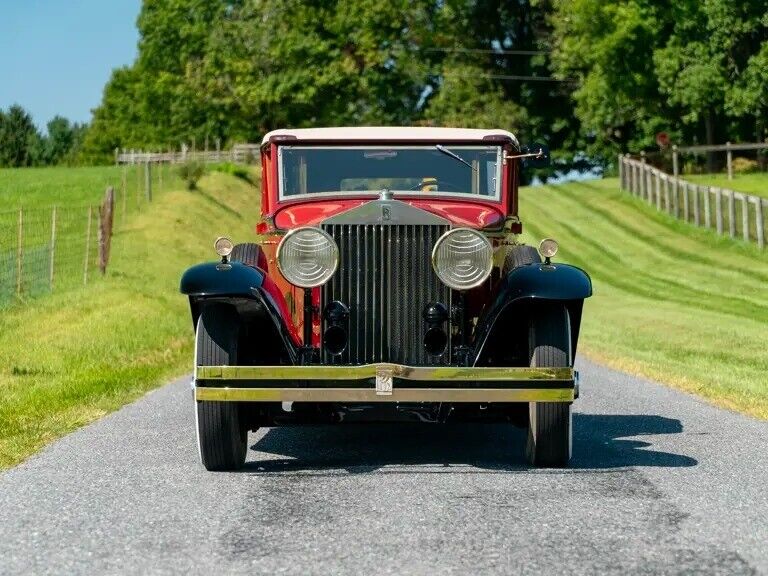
(440, 185)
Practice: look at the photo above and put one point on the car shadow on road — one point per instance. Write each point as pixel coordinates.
(600, 442)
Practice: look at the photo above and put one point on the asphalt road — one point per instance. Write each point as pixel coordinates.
(661, 483)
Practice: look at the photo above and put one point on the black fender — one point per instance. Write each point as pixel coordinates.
(253, 294)
(219, 279)
(526, 284)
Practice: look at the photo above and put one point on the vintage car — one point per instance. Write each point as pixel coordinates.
(387, 284)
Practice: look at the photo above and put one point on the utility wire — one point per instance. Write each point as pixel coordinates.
(511, 77)
(491, 51)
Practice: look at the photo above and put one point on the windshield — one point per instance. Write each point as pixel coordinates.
(311, 170)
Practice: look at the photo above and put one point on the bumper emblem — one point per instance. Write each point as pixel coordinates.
(383, 382)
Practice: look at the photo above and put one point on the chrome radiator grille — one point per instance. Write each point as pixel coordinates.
(385, 277)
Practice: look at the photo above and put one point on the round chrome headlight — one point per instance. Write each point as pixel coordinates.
(307, 257)
(462, 258)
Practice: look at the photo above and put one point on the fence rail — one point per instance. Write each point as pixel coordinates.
(238, 154)
(728, 212)
(728, 148)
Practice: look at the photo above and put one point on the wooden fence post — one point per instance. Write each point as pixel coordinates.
(648, 185)
(745, 218)
(148, 180)
(719, 210)
(729, 159)
(696, 218)
(759, 229)
(124, 192)
(643, 179)
(675, 197)
(87, 245)
(138, 184)
(707, 209)
(667, 205)
(731, 214)
(160, 174)
(686, 202)
(53, 247)
(675, 169)
(638, 183)
(106, 211)
(20, 252)
(658, 190)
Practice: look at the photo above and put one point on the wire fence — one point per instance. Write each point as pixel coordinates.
(59, 247)
(46, 248)
(737, 214)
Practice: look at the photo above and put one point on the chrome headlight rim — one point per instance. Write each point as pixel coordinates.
(288, 275)
(549, 247)
(223, 246)
(489, 265)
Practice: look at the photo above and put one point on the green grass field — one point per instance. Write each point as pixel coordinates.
(35, 188)
(671, 302)
(756, 184)
(73, 356)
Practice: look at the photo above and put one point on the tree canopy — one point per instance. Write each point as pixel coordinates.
(594, 77)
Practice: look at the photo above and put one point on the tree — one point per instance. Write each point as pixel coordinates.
(467, 97)
(606, 46)
(59, 141)
(19, 138)
(643, 67)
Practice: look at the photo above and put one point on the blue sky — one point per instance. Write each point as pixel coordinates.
(56, 55)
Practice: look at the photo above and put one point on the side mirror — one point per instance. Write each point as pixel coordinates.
(539, 155)
(532, 156)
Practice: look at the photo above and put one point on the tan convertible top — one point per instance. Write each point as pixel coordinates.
(388, 133)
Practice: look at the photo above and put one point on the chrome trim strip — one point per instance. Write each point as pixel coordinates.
(428, 373)
(370, 395)
(397, 213)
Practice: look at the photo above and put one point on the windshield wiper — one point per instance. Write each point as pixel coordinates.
(453, 155)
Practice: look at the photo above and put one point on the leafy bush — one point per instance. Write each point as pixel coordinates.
(235, 170)
(191, 172)
(745, 165)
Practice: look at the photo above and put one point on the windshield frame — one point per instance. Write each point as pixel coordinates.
(495, 198)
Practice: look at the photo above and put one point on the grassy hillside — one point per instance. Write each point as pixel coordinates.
(75, 355)
(756, 184)
(671, 302)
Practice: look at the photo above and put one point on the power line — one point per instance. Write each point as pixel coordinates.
(511, 77)
(491, 51)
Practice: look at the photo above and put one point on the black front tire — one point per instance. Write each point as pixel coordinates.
(550, 427)
(222, 435)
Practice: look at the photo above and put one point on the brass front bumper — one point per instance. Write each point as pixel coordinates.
(384, 382)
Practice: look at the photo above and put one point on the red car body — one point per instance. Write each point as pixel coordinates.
(280, 216)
